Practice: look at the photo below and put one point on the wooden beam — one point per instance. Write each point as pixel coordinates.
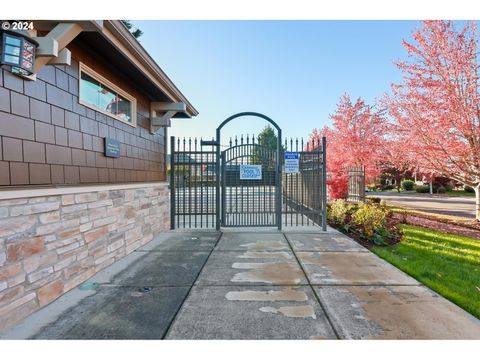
(54, 42)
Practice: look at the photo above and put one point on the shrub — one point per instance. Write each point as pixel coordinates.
(373, 200)
(448, 187)
(338, 211)
(407, 185)
(388, 187)
(422, 189)
(441, 190)
(337, 187)
(371, 218)
(468, 189)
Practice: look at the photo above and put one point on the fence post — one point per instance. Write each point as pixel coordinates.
(172, 182)
(363, 184)
(217, 182)
(324, 183)
(278, 200)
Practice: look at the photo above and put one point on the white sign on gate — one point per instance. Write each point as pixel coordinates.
(292, 162)
(250, 172)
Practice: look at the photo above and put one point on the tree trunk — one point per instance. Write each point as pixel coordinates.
(477, 202)
(431, 188)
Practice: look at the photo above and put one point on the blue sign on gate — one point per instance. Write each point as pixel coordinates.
(292, 162)
(250, 172)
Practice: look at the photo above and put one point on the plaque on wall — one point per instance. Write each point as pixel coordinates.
(112, 148)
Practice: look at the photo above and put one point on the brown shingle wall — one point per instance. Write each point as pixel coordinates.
(47, 137)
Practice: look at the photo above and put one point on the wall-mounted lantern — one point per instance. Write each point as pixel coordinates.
(18, 51)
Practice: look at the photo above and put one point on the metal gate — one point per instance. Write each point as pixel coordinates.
(304, 193)
(250, 183)
(246, 185)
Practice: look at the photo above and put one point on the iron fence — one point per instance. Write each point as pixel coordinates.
(275, 198)
(356, 184)
(192, 184)
(304, 192)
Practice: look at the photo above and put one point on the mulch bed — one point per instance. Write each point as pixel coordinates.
(395, 219)
(354, 236)
(392, 223)
(470, 230)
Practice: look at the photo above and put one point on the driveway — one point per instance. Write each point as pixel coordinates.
(250, 285)
(436, 204)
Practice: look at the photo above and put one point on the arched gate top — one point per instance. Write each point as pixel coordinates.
(248, 113)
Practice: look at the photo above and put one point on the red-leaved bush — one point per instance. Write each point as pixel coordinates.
(356, 138)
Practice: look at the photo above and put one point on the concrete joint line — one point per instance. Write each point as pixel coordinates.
(323, 307)
(191, 287)
(369, 284)
(334, 251)
(135, 286)
(169, 251)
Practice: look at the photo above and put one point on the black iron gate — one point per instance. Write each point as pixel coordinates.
(250, 179)
(248, 184)
(304, 192)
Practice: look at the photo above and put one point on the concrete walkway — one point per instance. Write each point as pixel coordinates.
(250, 285)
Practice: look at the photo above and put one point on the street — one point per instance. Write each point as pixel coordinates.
(436, 204)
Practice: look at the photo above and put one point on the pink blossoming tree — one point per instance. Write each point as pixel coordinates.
(356, 138)
(437, 106)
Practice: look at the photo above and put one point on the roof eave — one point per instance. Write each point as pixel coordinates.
(115, 32)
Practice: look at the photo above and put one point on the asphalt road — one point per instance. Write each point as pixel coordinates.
(436, 204)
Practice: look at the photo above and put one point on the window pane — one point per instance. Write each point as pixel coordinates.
(105, 99)
(12, 40)
(89, 90)
(12, 59)
(124, 108)
(12, 50)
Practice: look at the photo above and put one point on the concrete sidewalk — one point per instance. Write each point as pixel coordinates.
(250, 285)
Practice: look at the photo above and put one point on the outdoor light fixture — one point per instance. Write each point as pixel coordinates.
(18, 51)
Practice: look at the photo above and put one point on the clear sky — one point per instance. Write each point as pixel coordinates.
(291, 71)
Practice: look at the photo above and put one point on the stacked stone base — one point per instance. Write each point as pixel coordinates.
(51, 244)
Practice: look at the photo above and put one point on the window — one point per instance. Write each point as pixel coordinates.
(100, 94)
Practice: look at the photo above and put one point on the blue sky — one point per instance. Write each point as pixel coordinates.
(292, 71)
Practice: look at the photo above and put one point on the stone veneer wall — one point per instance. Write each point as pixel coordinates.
(51, 244)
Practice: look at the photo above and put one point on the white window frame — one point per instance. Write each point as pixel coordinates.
(85, 69)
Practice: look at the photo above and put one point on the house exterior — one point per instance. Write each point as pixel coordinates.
(83, 177)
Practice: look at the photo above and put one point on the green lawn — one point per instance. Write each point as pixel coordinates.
(448, 264)
(460, 193)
